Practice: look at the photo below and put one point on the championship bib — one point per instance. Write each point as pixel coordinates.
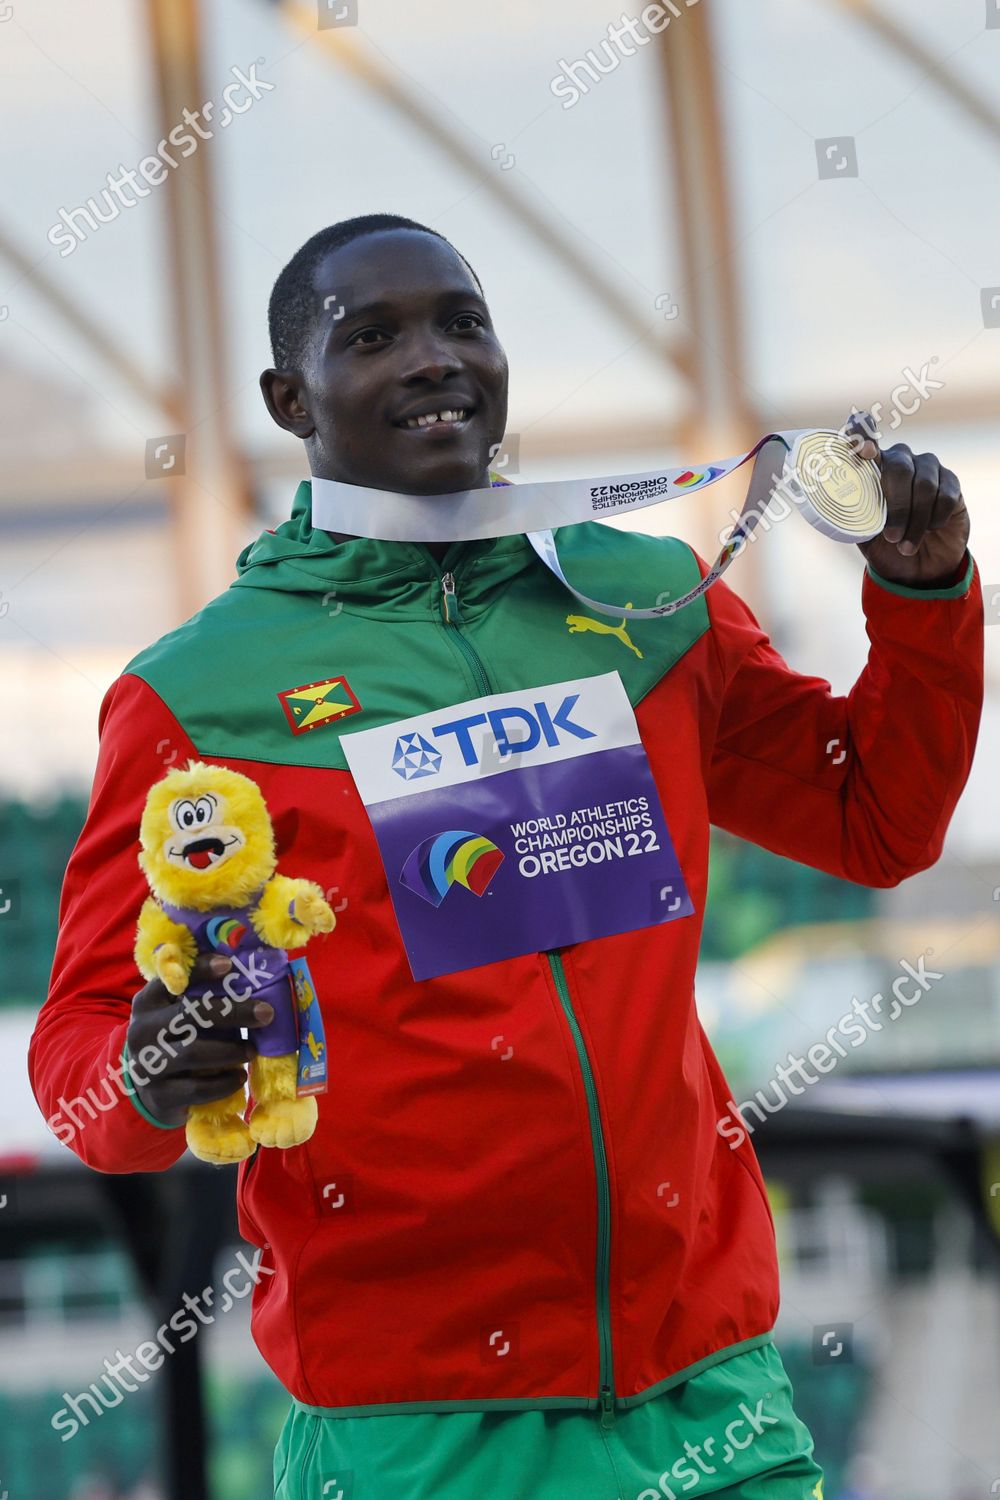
(516, 823)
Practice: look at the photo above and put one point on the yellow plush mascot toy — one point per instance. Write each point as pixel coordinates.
(207, 850)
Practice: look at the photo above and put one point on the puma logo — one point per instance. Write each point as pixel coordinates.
(577, 623)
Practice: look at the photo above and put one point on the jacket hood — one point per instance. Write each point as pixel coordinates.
(300, 558)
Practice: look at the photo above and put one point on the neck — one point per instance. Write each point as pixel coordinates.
(436, 549)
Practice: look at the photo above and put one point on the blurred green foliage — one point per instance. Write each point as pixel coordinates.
(753, 893)
(121, 1448)
(36, 841)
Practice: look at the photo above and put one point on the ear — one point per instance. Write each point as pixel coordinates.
(286, 827)
(284, 397)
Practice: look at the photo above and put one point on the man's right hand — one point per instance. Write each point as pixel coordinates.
(200, 1029)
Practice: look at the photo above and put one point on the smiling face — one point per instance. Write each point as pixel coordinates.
(404, 382)
(205, 837)
(199, 837)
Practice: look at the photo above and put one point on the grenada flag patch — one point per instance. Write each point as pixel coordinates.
(317, 703)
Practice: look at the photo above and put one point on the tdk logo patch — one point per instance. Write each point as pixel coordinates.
(532, 726)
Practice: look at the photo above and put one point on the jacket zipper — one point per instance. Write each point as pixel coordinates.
(606, 1378)
(452, 616)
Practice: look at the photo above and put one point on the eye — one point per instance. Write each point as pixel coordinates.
(204, 811)
(370, 337)
(472, 319)
(184, 814)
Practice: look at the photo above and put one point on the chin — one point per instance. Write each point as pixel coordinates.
(443, 475)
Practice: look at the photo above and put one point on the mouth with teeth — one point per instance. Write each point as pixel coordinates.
(451, 420)
(202, 854)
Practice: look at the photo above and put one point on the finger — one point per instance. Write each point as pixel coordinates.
(153, 996)
(897, 487)
(234, 994)
(949, 500)
(861, 431)
(212, 1016)
(207, 1090)
(211, 1054)
(227, 1080)
(926, 477)
(207, 969)
(168, 1031)
(174, 1097)
(214, 1012)
(175, 1044)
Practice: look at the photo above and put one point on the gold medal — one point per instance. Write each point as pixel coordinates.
(839, 493)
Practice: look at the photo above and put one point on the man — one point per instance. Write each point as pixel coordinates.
(517, 1256)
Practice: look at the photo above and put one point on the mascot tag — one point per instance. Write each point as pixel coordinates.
(311, 1077)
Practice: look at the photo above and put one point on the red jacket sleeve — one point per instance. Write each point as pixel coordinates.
(75, 1052)
(862, 786)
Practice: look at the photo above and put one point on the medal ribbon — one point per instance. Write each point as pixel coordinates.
(836, 492)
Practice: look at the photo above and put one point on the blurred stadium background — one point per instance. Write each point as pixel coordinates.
(766, 216)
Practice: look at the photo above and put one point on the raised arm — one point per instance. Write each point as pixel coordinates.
(862, 786)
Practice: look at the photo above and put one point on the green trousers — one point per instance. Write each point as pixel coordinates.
(729, 1432)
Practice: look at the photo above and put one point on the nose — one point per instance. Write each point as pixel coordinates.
(428, 356)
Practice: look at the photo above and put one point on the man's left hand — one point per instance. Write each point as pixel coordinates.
(927, 527)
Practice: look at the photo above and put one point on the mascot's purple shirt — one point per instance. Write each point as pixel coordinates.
(228, 930)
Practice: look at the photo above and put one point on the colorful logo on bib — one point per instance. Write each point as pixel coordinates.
(318, 703)
(224, 932)
(692, 477)
(437, 863)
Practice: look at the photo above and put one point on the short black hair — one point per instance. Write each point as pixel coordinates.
(291, 311)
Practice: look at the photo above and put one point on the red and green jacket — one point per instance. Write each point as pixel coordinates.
(564, 1226)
